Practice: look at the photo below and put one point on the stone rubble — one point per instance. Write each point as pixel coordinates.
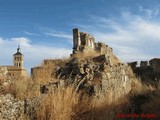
(11, 108)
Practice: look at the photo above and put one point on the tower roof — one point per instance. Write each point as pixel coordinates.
(18, 51)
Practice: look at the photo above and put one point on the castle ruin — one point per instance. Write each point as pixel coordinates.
(83, 42)
(102, 73)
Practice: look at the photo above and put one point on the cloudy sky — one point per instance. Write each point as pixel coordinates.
(43, 28)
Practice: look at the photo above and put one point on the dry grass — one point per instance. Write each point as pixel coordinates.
(86, 55)
(138, 87)
(144, 98)
(44, 74)
(153, 105)
(46, 71)
(66, 104)
(20, 87)
(58, 105)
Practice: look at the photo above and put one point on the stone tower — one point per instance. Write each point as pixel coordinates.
(76, 39)
(82, 41)
(18, 58)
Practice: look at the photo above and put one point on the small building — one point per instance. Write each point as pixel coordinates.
(17, 69)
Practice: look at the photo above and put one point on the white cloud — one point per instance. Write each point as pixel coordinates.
(58, 34)
(30, 33)
(54, 33)
(34, 54)
(146, 11)
(132, 36)
(149, 12)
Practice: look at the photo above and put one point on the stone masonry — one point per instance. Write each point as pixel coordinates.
(103, 73)
(148, 71)
(83, 42)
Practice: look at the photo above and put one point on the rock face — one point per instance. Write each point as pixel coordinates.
(102, 73)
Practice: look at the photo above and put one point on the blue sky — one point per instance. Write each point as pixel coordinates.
(43, 28)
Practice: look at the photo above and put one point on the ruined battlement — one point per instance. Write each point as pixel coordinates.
(83, 42)
(153, 63)
(148, 70)
(143, 64)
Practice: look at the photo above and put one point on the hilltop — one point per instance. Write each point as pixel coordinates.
(92, 83)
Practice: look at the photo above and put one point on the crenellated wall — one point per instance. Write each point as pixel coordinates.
(148, 70)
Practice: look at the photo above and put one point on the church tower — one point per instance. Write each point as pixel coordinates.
(18, 58)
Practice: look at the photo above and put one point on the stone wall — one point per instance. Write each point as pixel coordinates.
(155, 64)
(148, 71)
(48, 67)
(103, 49)
(36, 72)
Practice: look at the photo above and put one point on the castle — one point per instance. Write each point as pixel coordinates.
(17, 69)
(100, 73)
(83, 42)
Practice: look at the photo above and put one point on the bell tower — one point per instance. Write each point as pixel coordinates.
(18, 58)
